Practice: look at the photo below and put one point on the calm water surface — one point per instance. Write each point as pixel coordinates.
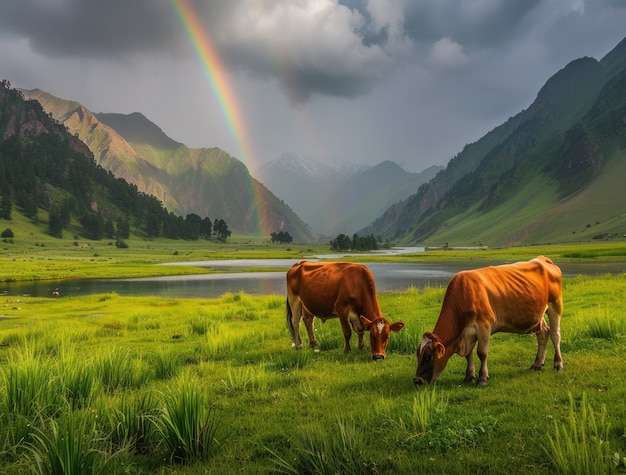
(389, 276)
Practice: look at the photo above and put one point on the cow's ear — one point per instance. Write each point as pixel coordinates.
(440, 350)
(366, 322)
(396, 327)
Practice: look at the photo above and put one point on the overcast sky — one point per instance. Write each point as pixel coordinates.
(411, 81)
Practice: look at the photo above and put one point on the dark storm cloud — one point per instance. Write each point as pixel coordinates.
(106, 29)
(307, 48)
(410, 80)
(476, 24)
(340, 49)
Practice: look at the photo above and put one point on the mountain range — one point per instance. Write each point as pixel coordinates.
(330, 196)
(554, 172)
(336, 197)
(206, 181)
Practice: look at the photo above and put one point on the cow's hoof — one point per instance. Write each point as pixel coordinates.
(481, 384)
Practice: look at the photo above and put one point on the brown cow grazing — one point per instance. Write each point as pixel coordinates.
(508, 298)
(337, 289)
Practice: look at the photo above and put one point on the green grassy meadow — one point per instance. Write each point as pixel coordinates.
(112, 384)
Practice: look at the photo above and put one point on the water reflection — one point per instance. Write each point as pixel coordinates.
(389, 276)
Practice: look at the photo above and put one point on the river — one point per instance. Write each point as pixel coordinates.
(389, 276)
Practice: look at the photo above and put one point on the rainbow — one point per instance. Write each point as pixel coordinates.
(224, 94)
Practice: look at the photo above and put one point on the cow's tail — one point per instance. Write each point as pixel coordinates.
(289, 321)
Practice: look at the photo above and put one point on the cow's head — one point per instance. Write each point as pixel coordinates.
(430, 359)
(380, 329)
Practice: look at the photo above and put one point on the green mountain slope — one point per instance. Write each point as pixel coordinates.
(208, 182)
(552, 173)
(50, 178)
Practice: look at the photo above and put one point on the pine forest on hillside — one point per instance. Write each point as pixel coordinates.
(44, 169)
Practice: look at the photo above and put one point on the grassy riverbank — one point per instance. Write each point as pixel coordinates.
(112, 384)
(66, 259)
(46, 258)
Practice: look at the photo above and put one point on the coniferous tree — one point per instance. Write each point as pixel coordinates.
(93, 226)
(282, 237)
(123, 228)
(192, 226)
(172, 226)
(153, 225)
(66, 211)
(55, 223)
(109, 229)
(6, 206)
(220, 229)
(206, 228)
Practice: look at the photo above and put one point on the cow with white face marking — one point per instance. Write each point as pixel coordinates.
(337, 290)
(508, 298)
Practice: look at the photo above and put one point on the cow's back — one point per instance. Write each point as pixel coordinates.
(507, 297)
(322, 286)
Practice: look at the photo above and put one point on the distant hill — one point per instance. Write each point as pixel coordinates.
(136, 128)
(337, 197)
(50, 177)
(554, 172)
(207, 181)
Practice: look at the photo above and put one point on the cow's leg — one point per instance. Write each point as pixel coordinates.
(470, 371)
(347, 332)
(358, 327)
(482, 352)
(554, 311)
(542, 341)
(295, 305)
(361, 344)
(309, 318)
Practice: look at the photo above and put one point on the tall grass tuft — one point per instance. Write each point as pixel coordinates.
(30, 386)
(276, 303)
(222, 341)
(604, 327)
(77, 379)
(130, 423)
(165, 365)
(247, 378)
(425, 405)
(200, 325)
(580, 444)
(415, 419)
(71, 445)
(403, 342)
(326, 451)
(15, 431)
(290, 360)
(187, 424)
(117, 369)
